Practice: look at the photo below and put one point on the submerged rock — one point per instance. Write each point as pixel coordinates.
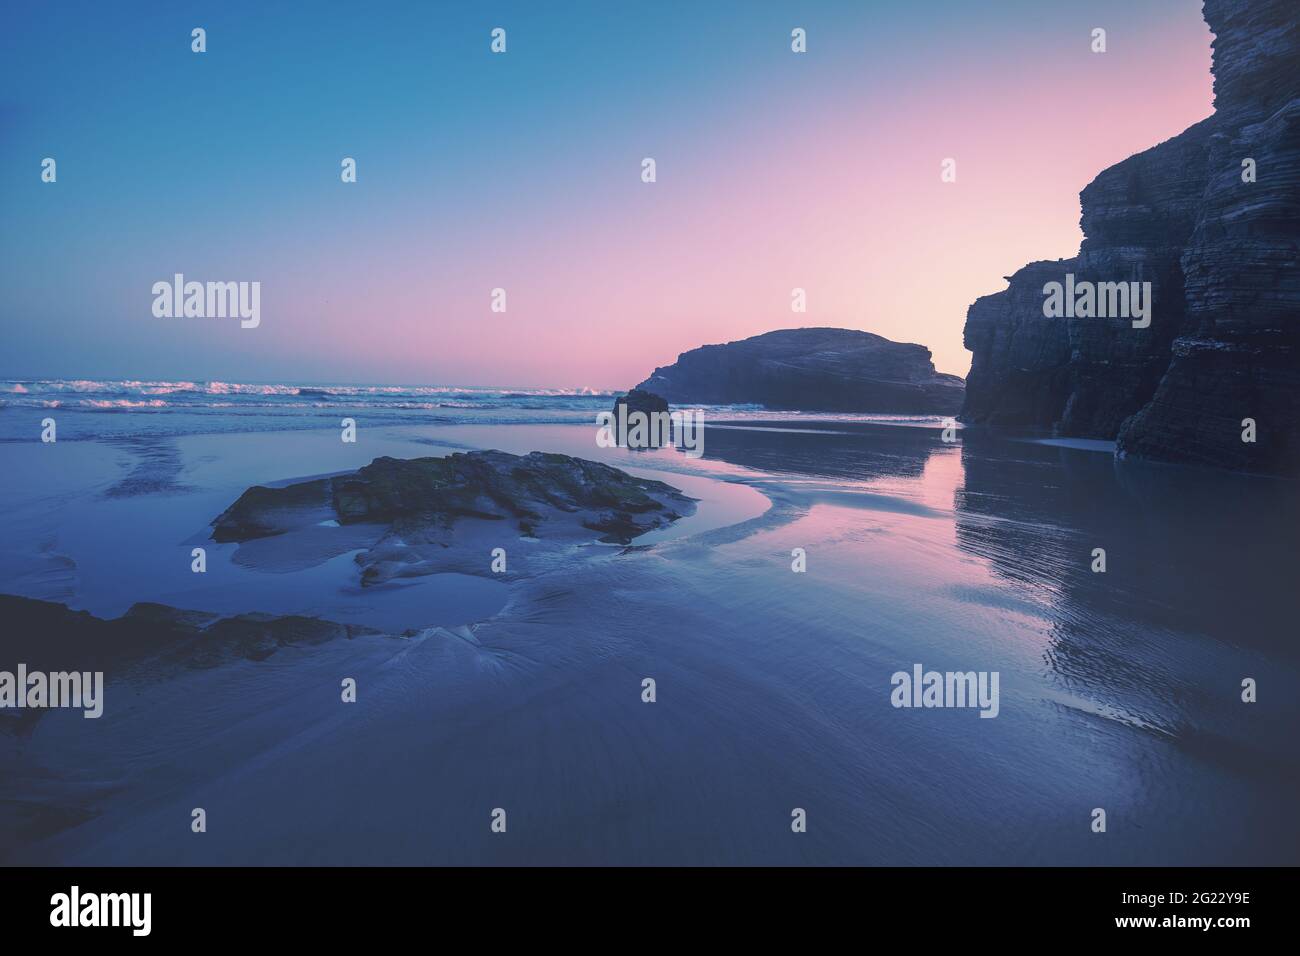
(819, 369)
(421, 506)
(1220, 252)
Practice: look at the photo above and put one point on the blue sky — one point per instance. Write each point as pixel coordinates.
(521, 171)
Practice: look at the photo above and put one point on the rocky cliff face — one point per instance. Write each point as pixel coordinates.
(1223, 344)
(825, 370)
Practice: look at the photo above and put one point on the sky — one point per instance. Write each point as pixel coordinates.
(523, 171)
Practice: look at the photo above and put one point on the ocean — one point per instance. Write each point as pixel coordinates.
(90, 408)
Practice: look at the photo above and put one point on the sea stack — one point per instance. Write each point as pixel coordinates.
(639, 400)
(817, 369)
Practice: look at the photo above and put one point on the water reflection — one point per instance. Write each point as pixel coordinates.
(1186, 549)
(853, 450)
(1198, 593)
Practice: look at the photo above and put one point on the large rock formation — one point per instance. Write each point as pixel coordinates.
(823, 370)
(1223, 344)
(418, 508)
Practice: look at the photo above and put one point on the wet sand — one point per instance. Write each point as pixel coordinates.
(1118, 690)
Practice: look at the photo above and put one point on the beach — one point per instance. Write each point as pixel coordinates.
(1119, 690)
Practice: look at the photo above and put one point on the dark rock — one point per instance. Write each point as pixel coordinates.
(1221, 254)
(639, 400)
(261, 512)
(49, 637)
(826, 370)
(421, 505)
(649, 404)
(257, 636)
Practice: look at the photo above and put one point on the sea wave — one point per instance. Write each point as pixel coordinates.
(98, 408)
(196, 392)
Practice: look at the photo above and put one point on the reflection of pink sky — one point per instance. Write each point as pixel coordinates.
(608, 277)
(904, 528)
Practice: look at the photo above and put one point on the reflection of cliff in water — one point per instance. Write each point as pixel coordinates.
(855, 450)
(1188, 550)
(1198, 592)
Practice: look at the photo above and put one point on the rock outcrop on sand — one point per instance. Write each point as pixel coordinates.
(1223, 343)
(823, 370)
(420, 507)
(51, 637)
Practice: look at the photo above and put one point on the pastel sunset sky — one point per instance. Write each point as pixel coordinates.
(522, 171)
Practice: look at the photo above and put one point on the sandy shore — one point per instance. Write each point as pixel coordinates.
(773, 687)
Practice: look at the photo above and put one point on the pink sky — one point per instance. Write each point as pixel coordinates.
(844, 201)
(775, 171)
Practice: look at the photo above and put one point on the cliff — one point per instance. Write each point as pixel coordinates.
(1220, 252)
(824, 370)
